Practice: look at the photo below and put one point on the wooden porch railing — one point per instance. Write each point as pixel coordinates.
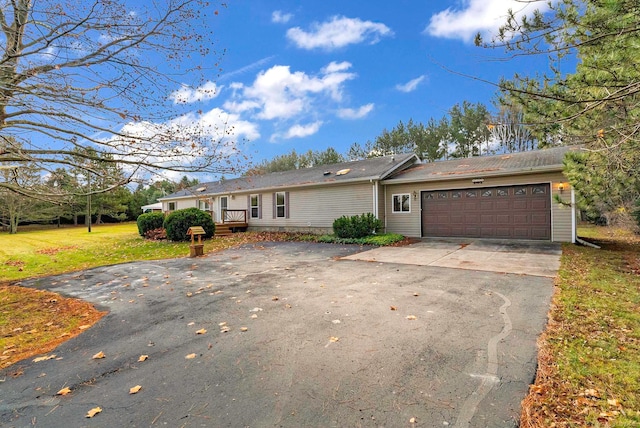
(234, 216)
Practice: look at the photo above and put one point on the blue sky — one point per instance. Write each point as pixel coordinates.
(309, 75)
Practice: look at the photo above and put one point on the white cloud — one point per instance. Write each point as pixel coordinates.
(335, 67)
(280, 18)
(484, 16)
(411, 85)
(350, 113)
(278, 93)
(301, 131)
(187, 94)
(338, 32)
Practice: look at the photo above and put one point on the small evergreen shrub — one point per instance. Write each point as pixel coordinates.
(149, 221)
(357, 226)
(178, 222)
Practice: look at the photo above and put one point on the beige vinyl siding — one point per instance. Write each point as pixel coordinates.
(562, 216)
(409, 224)
(311, 209)
(181, 204)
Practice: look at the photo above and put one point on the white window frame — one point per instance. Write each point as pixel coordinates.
(401, 197)
(170, 205)
(283, 205)
(256, 206)
(204, 205)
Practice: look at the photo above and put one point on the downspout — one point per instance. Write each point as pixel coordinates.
(574, 233)
(375, 211)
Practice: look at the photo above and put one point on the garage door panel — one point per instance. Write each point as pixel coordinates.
(520, 204)
(487, 205)
(471, 231)
(539, 219)
(540, 233)
(539, 204)
(503, 218)
(521, 219)
(503, 232)
(502, 204)
(517, 212)
(487, 219)
(457, 218)
(470, 206)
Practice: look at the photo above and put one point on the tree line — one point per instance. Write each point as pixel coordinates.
(468, 129)
(66, 195)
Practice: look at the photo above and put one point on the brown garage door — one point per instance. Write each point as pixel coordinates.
(514, 212)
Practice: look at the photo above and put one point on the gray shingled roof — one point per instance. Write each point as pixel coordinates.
(364, 170)
(482, 166)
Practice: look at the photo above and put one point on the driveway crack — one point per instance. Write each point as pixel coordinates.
(490, 378)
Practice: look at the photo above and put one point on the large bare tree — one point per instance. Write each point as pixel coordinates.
(98, 74)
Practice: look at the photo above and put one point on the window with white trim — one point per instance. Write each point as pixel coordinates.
(281, 204)
(254, 205)
(402, 203)
(171, 206)
(204, 205)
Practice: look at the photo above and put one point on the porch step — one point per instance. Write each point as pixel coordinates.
(226, 229)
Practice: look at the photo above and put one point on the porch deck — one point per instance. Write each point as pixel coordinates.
(232, 221)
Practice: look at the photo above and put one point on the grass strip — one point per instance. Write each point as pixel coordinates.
(589, 357)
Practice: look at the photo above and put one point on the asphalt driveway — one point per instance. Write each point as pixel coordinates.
(296, 335)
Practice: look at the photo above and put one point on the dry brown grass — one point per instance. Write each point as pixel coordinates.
(34, 322)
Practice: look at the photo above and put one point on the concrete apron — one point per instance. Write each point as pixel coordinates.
(518, 257)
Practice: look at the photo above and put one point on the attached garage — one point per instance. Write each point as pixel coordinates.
(509, 212)
(510, 196)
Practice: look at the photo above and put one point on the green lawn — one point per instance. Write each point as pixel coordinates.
(52, 251)
(589, 362)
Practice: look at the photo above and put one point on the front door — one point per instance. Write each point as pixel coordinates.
(224, 205)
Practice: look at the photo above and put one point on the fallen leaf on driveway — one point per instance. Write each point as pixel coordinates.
(254, 316)
(393, 308)
(224, 329)
(98, 355)
(190, 356)
(191, 323)
(201, 331)
(275, 298)
(333, 339)
(223, 323)
(45, 358)
(243, 329)
(412, 317)
(135, 389)
(415, 294)
(64, 391)
(189, 294)
(91, 413)
(143, 358)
